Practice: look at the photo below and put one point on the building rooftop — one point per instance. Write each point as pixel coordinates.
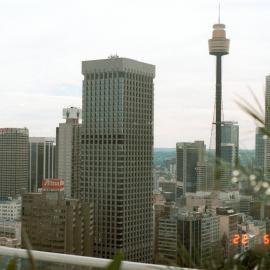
(117, 64)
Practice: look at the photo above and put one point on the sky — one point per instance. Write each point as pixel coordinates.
(43, 43)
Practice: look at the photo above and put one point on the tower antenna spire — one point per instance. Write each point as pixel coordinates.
(219, 12)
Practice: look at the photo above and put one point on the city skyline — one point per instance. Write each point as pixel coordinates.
(48, 53)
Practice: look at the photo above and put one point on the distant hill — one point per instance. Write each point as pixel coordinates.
(161, 154)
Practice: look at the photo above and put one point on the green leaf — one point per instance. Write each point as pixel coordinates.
(12, 264)
(116, 263)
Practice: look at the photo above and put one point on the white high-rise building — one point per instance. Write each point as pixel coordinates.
(68, 151)
(117, 155)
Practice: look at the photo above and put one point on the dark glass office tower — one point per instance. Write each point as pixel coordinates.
(188, 156)
(14, 161)
(42, 161)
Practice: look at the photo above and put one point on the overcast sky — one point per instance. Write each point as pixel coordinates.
(42, 45)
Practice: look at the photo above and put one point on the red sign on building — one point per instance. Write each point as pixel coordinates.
(53, 184)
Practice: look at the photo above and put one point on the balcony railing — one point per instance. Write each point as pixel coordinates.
(49, 260)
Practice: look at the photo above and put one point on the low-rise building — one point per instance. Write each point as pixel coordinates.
(10, 209)
(188, 232)
(9, 242)
(10, 229)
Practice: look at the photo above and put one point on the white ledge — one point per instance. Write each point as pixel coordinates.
(80, 260)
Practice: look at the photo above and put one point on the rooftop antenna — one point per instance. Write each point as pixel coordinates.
(219, 13)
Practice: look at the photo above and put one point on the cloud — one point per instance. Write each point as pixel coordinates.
(44, 42)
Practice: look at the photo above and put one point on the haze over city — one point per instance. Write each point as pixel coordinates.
(42, 53)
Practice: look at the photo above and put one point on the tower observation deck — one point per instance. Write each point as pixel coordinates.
(218, 46)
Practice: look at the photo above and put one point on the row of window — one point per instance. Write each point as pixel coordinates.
(119, 74)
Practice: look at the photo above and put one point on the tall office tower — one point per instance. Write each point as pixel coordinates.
(42, 161)
(218, 46)
(14, 160)
(230, 134)
(228, 158)
(117, 155)
(267, 127)
(267, 102)
(260, 149)
(68, 151)
(188, 156)
(54, 223)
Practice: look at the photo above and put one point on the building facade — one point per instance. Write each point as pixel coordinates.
(117, 155)
(205, 176)
(10, 223)
(228, 163)
(55, 224)
(188, 156)
(68, 151)
(11, 230)
(260, 149)
(14, 161)
(167, 240)
(267, 127)
(230, 134)
(228, 224)
(42, 161)
(10, 209)
(198, 233)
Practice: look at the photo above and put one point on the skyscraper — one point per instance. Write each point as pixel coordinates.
(259, 149)
(68, 151)
(42, 161)
(230, 134)
(267, 127)
(188, 156)
(14, 160)
(218, 46)
(117, 155)
(228, 157)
